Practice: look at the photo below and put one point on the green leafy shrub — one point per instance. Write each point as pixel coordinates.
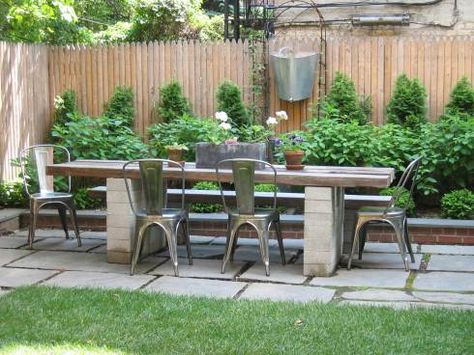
(187, 131)
(407, 105)
(172, 103)
(64, 105)
(120, 109)
(266, 188)
(254, 134)
(206, 207)
(83, 200)
(461, 98)
(230, 101)
(12, 194)
(458, 204)
(404, 199)
(343, 104)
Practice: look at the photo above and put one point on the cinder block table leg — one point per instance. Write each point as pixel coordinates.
(121, 225)
(323, 229)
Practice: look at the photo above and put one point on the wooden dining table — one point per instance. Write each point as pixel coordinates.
(323, 207)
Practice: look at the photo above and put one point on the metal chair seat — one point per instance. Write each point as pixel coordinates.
(245, 212)
(51, 195)
(381, 212)
(148, 203)
(395, 216)
(37, 157)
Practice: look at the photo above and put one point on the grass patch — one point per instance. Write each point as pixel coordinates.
(77, 321)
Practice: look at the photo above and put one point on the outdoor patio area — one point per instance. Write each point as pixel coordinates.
(443, 276)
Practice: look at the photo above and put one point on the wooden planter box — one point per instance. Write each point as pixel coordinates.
(208, 155)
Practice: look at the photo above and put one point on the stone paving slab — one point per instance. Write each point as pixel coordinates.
(445, 281)
(198, 251)
(98, 280)
(294, 293)
(201, 239)
(62, 260)
(252, 253)
(448, 249)
(292, 244)
(444, 297)
(378, 295)
(289, 274)
(14, 277)
(60, 244)
(245, 242)
(202, 268)
(364, 278)
(371, 247)
(101, 249)
(42, 233)
(463, 263)
(196, 287)
(383, 261)
(9, 255)
(12, 242)
(407, 305)
(94, 235)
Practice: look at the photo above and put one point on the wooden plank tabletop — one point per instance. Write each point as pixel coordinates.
(310, 176)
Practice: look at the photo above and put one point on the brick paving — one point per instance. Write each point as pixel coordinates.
(442, 276)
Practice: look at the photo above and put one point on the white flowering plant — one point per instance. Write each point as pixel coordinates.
(224, 132)
(273, 121)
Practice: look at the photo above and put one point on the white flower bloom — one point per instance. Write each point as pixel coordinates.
(224, 125)
(271, 121)
(281, 115)
(222, 116)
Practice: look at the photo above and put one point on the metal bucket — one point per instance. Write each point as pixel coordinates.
(294, 73)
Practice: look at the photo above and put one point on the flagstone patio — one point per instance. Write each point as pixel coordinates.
(442, 276)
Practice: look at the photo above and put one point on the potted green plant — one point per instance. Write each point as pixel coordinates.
(291, 144)
(175, 152)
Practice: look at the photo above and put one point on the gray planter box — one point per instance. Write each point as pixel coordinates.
(208, 155)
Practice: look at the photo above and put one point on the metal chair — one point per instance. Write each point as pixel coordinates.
(395, 216)
(245, 212)
(33, 161)
(148, 203)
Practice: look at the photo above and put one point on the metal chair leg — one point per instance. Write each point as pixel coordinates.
(172, 237)
(232, 231)
(407, 240)
(188, 240)
(357, 229)
(32, 227)
(280, 241)
(263, 239)
(398, 227)
(73, 213)
(140, 232)
(62, 217)
(362, 240)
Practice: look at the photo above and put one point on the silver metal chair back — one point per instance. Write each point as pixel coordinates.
(243, 174)
(150, 196)
(33, 162)
(34, 159)
(406, 181)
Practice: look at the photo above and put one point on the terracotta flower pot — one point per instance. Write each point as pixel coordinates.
(293, 159)
(176, 155)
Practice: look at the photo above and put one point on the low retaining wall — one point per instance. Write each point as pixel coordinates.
(422, 231)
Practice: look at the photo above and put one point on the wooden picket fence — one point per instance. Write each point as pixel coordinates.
(32, 76)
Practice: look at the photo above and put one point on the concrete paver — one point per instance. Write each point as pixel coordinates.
(244, 242)
(444, 297)
(60, 244)
(445, 281)
(384, 261)
(448, 249)
(98, 280)
(42, 233)
(12, 242)
(201, 239)
(196, 287)
(14, 277)
(252, 253)
(462, 263)
(198, 251)
(9, 255)
(364, 278)
(378, 295)
(61, 260)
(202, 268)
(289, 274)
(371, 247)
(279, 292)
(407, 305)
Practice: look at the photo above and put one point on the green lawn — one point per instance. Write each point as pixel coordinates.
(50, 320)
